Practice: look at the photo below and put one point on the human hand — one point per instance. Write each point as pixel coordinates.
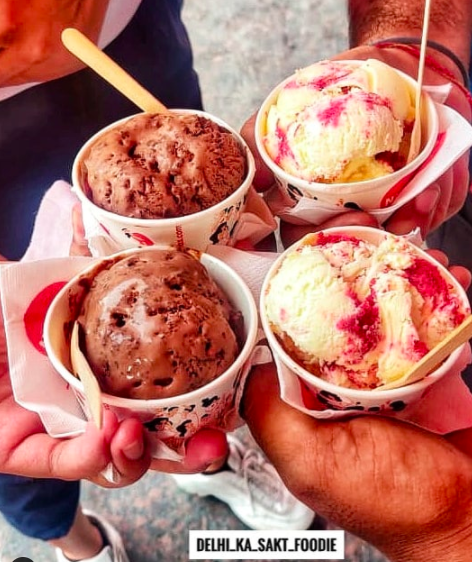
(27, 450)
(403, 489)
(439, 201)
(30, 37)
(406, 491)
(445, 197)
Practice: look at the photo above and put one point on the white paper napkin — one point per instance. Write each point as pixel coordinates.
(446, 407)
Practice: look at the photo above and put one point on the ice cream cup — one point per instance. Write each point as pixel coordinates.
(325, 399)
(170, 421)
(214, 225)
(370, 194)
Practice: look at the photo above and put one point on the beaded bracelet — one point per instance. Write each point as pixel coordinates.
(412, 48)
(432, 45)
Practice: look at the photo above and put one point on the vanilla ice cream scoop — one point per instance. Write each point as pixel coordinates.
(341, 121)
(357, 314)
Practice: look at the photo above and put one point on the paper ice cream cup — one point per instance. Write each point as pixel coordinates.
(169, 421)
(214, 225)
(322, 399)
(377, 193)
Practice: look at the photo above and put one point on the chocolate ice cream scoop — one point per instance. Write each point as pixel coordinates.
(162, 166)
(156, 325)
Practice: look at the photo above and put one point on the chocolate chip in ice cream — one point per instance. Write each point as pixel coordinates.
(156, 325)
(163, 165)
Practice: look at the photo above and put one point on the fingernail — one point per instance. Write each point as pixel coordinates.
(134, 451)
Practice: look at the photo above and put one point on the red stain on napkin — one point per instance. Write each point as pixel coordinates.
(36, 312)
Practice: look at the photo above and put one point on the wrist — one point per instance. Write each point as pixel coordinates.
(455, 546)
(438, 56)
(406, 60)
(448, 538)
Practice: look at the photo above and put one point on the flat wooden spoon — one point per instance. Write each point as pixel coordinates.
(415, 142)
(86, 51)
(84, 373)
(435, 356)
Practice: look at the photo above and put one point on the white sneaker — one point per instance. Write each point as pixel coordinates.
(114, 551)
(252, 489)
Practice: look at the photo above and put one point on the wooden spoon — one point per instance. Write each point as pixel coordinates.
(85, 50)
(83, 372)
(435, 356)
(415, 142)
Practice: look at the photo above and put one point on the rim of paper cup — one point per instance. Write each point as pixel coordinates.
(172, 221)
(375, 235)
(250, 326)
(361, 186)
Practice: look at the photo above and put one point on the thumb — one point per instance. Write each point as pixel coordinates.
(289, 438)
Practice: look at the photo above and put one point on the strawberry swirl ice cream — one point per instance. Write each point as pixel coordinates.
(341, 122)
(359, 314)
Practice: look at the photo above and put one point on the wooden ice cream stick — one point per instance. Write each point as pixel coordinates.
(415, 141)
(85, 50)
(84, 373)
(435, 356)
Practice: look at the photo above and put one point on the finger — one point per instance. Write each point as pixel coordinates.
(460, 185)
(130, 454)
(415, 213)
(82, 457)
(462, 274)
(79, 246)
(264, 178)
(290, 233)
(462, 439)
(439, 256)
(442, 207)
(207, 447)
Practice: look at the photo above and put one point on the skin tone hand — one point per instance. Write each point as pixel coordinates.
(446, 196)
(405, 490)
(27, 450)
(427, 211)
(30, 37)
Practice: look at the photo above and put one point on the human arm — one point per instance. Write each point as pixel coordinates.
(450, 24)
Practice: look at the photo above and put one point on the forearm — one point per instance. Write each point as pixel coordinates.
(450, 22)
